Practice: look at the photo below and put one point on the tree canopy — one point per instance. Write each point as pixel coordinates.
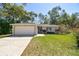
(16, 13)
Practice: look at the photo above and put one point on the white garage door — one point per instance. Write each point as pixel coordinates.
(24, 30)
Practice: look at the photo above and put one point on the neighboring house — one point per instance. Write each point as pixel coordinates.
(32, 29)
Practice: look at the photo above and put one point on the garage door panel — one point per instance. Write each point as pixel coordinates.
(24, 30)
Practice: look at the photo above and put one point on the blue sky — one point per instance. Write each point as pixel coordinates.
(45, 7)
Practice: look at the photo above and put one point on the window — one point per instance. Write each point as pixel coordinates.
(49, 29)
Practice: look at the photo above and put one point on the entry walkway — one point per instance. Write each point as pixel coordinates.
(39, 35)
(13, 46)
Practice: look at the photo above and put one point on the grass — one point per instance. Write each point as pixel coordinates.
(1, 36)
(52, 45)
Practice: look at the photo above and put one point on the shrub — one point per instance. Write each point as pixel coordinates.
(5, 27)
(77, 38)
(63, 29)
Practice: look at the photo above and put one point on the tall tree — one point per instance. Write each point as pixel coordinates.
(43, 19)
(54, 14)
(74, 20)
(32, 15)
(16, 13)
(64, 18)
(12, 11)
(46, 20)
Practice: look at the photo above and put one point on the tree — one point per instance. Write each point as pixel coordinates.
(32, 15)
(54, 15)
(46, 20)
(74, 20)
(43, 19)
(16, 13)
(64, 18)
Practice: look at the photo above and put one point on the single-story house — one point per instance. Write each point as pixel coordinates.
(32, 29)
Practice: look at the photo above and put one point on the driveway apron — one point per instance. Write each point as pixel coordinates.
(13, 46)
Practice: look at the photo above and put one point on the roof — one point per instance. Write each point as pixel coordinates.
(47, 25)
(43, 25)
(22, 24)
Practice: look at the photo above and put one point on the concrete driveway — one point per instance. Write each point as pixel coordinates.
(13, 46)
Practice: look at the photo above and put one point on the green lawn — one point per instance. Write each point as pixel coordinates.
(52, 45)
(6, 35)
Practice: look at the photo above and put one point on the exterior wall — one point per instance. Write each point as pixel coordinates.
(13, 30)
(36, 29)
